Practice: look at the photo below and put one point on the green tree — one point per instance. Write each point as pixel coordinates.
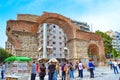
(107, 40)
(3, 54)
(114, 52)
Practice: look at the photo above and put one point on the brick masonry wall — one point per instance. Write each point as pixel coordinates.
(27, 17)
(28, 45)
(29, 24)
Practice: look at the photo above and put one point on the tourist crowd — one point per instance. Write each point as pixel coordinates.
(66, 69)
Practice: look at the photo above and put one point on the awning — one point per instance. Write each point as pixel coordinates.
(39, 48)
(49, 46)
(65, 48)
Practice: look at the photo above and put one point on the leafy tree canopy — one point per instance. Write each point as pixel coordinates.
(107, 40)
(3, 54)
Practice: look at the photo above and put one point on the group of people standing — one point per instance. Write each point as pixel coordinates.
(37, 70)
(90, 68)
(40, 70)
(67, 68)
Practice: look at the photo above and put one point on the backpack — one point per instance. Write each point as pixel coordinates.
(83, 66)
(64, 69)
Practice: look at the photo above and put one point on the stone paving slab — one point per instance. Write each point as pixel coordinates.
(101, 73)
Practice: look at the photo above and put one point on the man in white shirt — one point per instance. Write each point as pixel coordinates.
(80, 66)
(115, 64)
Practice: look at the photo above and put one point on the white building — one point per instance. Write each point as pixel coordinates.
(52, 41)
(81, 25)
(116, 39)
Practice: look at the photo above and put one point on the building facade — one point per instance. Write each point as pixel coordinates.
(81, 25)
(116, 39)
(9, 48)
(51, 41)
(53, 35)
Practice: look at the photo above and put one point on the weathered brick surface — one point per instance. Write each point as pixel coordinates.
(23, 26)
(27, 17)
(78, 41)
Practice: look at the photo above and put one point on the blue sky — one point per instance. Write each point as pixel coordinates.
(103, 15)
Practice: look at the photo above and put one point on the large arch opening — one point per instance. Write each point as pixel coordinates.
(65, 24)
(52, 42)
(93, 53)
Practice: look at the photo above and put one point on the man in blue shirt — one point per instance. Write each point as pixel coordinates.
(33, 74)
(91, 67)
(111, 64)
(3, 70)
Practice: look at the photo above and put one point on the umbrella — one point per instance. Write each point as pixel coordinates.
(17, 58)
(53, 60)
(43, 59)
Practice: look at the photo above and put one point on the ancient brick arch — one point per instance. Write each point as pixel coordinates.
(95, 50)
(61, 21)
(76, 38)
(93, 47)
(78, 41)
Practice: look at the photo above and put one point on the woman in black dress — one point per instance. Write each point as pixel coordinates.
(42, 72)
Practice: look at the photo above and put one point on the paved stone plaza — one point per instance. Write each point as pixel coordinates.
(101, 73)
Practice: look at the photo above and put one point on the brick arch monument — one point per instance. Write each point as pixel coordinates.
(78, 41)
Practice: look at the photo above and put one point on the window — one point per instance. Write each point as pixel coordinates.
(60, 37)
(65, 44)
(54, 26)
(54, 48)
(54, 54)
(54, 31)
(53, 42)
(54, 37)
(60, 32)
(60, 54)
(48, 42)
(60, 43)
(48, 37)
(60, 48)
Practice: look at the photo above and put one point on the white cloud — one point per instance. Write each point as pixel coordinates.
(103, 17)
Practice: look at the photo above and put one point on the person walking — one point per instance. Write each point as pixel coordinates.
(77, 68)
(71, 70)
(64, 69)
(115, 64)
(67, 71)
(37, 68)
(33, 70)
(111, 64)
(91, 68)
(3, 71)
(42, 72)
(51, 70)
(58, 70)
(81, 67)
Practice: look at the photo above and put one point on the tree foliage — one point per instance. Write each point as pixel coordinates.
(107, 40)
(114, 52)
(3, 54)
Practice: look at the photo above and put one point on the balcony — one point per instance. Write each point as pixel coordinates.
(40, 48)
(49, 47)
(40, 36)
(49, 52)
(49, 33)
(49, 28)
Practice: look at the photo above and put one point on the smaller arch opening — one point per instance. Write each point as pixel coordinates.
(93, 52)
